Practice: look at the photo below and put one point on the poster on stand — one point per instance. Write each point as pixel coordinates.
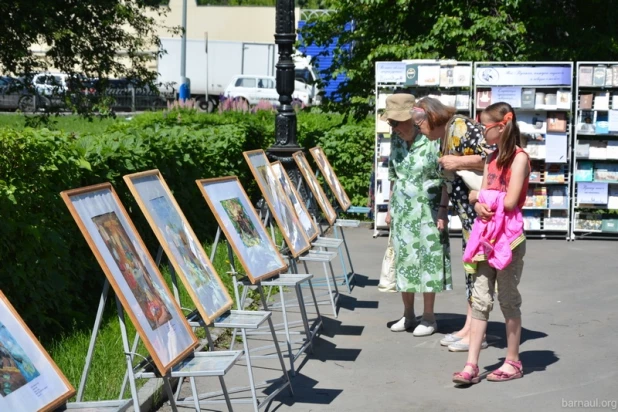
(242, 227)
(132, 273)
(180, 243)
(278, 202)
(316, 189)
(331, 178)
(29, 378)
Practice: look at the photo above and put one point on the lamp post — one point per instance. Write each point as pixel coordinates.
(285, 120)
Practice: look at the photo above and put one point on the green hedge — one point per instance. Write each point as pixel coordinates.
(48, 271)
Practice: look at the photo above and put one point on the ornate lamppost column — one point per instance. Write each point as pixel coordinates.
(285, 121)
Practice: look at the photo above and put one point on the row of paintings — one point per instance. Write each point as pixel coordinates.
(31, 380)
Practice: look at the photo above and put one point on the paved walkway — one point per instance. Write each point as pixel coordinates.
(569, 341)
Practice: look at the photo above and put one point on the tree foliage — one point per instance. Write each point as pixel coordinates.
(99, 38)
(466, 30)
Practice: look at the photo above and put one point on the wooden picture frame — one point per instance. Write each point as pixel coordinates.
(29, 378)
(314, 186)
(330, 177)
(278, 202)
(180, 244)
(242, 227)
(132, 273)
(311, 229)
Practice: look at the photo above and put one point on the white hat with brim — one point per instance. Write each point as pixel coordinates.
(398, 107)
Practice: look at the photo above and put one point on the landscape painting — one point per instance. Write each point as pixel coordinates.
(314, 186)
(330, 177)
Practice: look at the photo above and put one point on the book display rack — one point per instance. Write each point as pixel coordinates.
(540, 93)
(595, 169)
(449, 81)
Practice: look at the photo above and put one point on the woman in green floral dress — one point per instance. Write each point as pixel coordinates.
(418, 220)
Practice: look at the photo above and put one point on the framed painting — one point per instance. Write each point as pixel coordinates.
(278, 202)
(311, 229)
(331, 178)
(316, 189)
(242, 227)
(182, 247)
(132, 272)
(29, 379)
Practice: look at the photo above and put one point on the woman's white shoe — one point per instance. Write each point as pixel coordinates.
(403, 324)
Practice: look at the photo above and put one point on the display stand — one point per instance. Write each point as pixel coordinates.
(540, 93)
(449, 81)
(223, 362)
(595, 167)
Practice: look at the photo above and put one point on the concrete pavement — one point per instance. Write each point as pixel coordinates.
(569, 341)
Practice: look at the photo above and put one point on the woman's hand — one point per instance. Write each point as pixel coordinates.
(483, 211)
(387, 219)
(442, 221)
(449, 162)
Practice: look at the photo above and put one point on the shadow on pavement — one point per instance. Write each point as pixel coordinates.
(350, 303)
(305, 391)
(361, 281)
(332, 327)
(532, 361)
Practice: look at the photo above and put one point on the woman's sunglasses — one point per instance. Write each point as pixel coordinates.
(393, 123)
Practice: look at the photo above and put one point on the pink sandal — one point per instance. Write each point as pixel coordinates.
(465, 378)
(501, 376)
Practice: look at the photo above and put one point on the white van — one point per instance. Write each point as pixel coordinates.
(255, 88)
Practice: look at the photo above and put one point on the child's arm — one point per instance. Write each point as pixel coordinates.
(519, 172)
(482, 209)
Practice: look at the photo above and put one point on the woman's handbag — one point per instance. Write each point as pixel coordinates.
(387, 275)
(472, 178)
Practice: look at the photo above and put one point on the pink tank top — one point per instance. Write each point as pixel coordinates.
(498, 179)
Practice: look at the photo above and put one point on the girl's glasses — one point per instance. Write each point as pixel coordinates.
(486, 127)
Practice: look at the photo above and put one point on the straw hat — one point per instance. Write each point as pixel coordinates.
(398, 107)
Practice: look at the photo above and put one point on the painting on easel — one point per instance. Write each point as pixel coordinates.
(316, 189)
(132, 273)
(29, 378)
(180, 243)
(331, 178)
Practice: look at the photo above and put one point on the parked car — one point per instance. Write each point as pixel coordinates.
(128, 94)
(252, 89)
(15, 95)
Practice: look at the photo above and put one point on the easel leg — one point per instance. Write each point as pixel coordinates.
(276, 342)
(170, 394)
(93, 339)
(128, 355)
(287, 330)
(347, 252)
(315, 301)
(228, 401)
(303, 314)
(249, 369)
(196, 399)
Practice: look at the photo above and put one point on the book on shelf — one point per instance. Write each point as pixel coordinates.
(554, 174)
(532, 220)
(483, 98)
(585, 122)
(535, 149)
(532, 122)
(601, 123)
(614, 68)
(411, 74)
(588, 221)
(612, 196)
(555, 223)
(539, 100)
(448, 99)
(598, 149)
(585, 76)
(608, 77)
(381, 125)
(462, 101)
(582, 149)
(609, 225)
(585, 101)
(462, 76)
(563, 100)
(556, 122)
(382, 100)
(540, 196)
(535, 174)
(598, 76)
(614, 101)
(605, 172)
(584, 172)
(550, 101)
(601, 100)
(447, 76)
(429, 75)
(529, 202)
(612, 149)
(527, 98)
(558, 198)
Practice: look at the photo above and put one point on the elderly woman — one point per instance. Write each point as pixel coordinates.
(416, 216)
(460, 150)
